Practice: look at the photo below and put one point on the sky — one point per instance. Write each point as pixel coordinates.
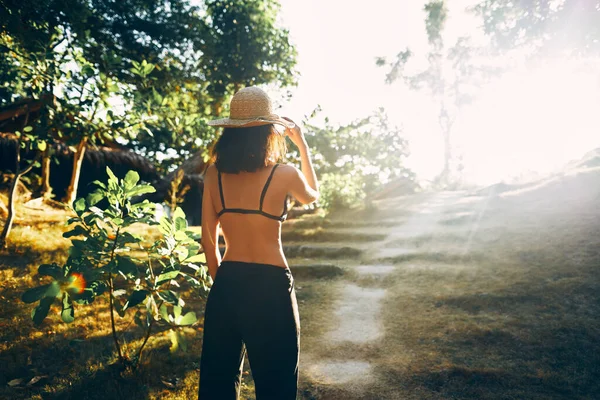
(531, 121)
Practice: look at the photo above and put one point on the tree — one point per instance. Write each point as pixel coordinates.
(451, 77)
(547, 27)
(84, 52)
(237, 44)
(87, 52)
(355, 159)
(101, 261)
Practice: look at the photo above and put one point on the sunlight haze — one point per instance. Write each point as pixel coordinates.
(512, 129)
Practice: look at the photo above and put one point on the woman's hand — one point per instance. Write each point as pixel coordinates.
(295, 134)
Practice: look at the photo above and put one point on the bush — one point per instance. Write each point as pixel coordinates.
(340, 191)
(101, 262)
(355, 159)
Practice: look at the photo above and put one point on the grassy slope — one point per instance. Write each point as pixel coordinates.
(516, 320)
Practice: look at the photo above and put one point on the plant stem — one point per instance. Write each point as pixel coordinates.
(138, 358)
(111, 301)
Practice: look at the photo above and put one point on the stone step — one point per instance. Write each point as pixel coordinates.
(316, 271)
(325, 235)
(327, 252)
(322, 251)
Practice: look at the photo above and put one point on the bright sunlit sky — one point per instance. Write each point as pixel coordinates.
(533, 119)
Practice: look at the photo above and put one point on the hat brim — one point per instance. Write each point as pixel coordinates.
(245, 123)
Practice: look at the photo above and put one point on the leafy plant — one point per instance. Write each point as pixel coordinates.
(106, 258)
(340, 191)
(355, 159)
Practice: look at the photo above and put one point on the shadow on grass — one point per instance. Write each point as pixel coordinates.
(79, 367)
(535, 339)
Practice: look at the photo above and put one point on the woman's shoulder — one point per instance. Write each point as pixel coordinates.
(288, 170)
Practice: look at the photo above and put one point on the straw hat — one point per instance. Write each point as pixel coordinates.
(250, 106)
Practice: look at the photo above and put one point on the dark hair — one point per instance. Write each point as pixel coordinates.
(248, 149)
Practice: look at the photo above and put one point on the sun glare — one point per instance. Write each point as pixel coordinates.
(529, 122)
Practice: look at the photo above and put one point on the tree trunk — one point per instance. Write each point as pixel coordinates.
(71, 194)
(46, 188)
(12, 197)
(447, 153)
(446, 123)
(11, 211)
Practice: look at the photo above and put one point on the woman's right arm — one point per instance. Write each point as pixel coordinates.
(304, 186)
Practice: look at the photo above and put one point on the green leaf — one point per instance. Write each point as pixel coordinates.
(140, 189)
(119, 307)
(169, 296)
(181, 236)
(187, 319)
(68, 312)
(100, 184)
(97, 287)
(95, 197)
(111, 176)
(35, 294)
(126, 266)
(148, 68)
(179, 218)
(136, 298)
(76, 231)
(182, 253)
(131, 178)
(180, 224)
(41, 145)
(164, 313)
(52, 270)
(167, 276)
(53, 290)
(86, 297)
(198, 258)
(164, 226)
(177, 312)
(80, 206)
(28, 129)
(41, 311)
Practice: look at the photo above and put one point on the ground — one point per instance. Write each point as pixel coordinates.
(492, 294)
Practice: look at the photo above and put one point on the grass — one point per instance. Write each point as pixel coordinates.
(78, 360)
(514, 317)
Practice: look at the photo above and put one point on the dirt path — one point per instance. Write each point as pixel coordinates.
(338, 370)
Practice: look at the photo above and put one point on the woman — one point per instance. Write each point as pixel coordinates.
(252, 302)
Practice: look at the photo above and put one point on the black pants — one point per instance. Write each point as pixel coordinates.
(252, 305)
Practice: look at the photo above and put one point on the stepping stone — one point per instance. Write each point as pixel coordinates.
(394, 252)
(340, 372)
(377, 270)
(313, 251)
(358, 313)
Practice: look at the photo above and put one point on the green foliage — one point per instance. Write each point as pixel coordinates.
(147, 72)
(452, 76)
(548, 27)
(106, 258)
(354, 159)
(340, 191)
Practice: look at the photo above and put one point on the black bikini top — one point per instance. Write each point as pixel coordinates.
(260, 211)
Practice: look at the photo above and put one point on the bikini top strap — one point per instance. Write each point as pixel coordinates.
(221, 190)
(264, 191)
(285, 210)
